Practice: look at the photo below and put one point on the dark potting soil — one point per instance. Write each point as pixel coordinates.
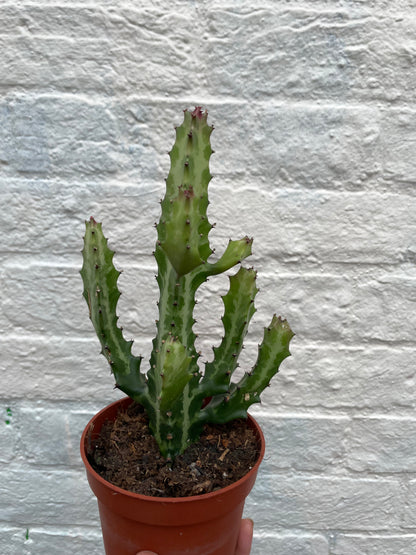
(127, 455)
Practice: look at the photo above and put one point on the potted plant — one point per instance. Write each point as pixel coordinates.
(179, 400)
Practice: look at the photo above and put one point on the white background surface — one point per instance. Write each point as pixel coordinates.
(314, 108)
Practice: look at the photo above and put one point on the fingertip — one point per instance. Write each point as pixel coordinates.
(248, 525)
(245, 538)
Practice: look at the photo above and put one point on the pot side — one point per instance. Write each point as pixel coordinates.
(206, 524)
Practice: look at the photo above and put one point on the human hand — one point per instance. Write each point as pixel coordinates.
(244, 539)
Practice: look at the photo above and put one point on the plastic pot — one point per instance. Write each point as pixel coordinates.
(205, 524)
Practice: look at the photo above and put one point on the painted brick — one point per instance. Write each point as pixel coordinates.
(347, 52)
(61, 62)
(302, 144)
(346, 308)
(332, 227)
(46, 497)
(8, 438)
(385, 445)
(396, 139)
(110, 50)
(49, 436)
(49, 134)
(360, 378)
(288, 544)
(13, 541)
(303, 443)
(324, 503)
(408, 513)
(374, 545)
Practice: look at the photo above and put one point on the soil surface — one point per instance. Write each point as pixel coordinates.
(127, 455)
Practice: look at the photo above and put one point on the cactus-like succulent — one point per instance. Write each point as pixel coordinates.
(178, 397)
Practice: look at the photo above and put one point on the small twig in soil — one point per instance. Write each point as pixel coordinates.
(223, 455)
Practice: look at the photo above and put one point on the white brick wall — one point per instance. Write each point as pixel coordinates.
(314, 107)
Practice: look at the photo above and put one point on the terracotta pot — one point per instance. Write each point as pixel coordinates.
(205, 524)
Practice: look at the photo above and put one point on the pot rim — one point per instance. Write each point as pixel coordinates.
(168, 500)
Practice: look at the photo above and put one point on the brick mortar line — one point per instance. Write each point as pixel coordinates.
(349, 415)
(305, 346)
(118, 98)
(341, 474)
(312, 270)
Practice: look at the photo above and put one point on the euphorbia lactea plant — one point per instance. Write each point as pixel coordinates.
(177, 395)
